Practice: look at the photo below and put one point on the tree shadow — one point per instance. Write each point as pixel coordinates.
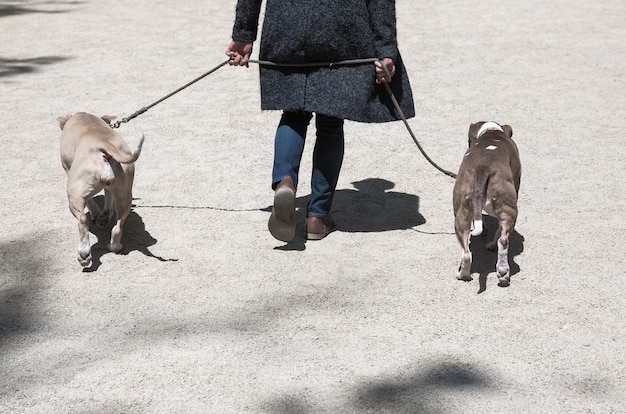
(484, 260)
(21, 269)
(13, 67)
(415, 393)
(289, 404)
(8, 9)
(135, 237)
(422, 390)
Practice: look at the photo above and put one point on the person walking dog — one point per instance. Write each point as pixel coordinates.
(299, 34)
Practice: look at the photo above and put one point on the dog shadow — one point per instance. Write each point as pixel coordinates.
(135, 237)
(484, 260)
(369, 208)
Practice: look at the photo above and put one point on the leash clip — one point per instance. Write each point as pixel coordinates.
(115, 124)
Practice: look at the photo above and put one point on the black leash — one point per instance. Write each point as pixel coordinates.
(399, 111)
(116, 124)
(406, 124)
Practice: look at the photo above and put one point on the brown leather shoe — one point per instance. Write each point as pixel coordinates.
(318, 228)
(282, 222)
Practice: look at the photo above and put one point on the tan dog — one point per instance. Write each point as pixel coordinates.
(489, 180)
(97, 158)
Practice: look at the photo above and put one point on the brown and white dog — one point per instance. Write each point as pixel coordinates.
(97, 158)
(489, 180)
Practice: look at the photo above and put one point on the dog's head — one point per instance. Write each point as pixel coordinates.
(62, 120)
(479, 128)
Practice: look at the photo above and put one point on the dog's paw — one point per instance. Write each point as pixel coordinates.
(84, 254)
(504, 281)
(464, 278)
(84, 261)
(504, 275)
(115, 248)
(463, 274)
(464, 271)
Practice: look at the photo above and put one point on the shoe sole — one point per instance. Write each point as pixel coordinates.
(319, 236)
(316, 236)
(282, 222)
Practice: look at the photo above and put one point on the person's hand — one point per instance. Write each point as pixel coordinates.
(380, 72)
(239, 53)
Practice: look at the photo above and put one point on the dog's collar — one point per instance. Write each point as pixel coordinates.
(489, 126)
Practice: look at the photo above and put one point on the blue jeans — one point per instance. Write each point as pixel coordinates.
(327, 156)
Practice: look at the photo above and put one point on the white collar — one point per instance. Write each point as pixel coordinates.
(489, 126)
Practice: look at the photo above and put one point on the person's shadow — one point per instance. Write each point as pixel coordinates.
(135, 237)
(373, 208)
(369, 208)
(484, 260)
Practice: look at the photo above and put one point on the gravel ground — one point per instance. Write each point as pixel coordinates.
(205, 312)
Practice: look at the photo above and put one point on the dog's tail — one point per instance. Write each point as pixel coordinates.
(121, 152)
(480, 188)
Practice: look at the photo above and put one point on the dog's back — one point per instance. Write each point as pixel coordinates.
(490, 163)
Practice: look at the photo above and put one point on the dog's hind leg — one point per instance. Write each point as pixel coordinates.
(493, 244)
(109, 207)
(116, 232)
(503, 269)
(505, 209)
(77, 207)
(97, 216)
(462, 223)
(102, 217)
(464, 271)
(123, 205)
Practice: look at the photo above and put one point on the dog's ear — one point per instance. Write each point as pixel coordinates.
(62, 120)
(108, 118)
(473, 132)
(508, 130)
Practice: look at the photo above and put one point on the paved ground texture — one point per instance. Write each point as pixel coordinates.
(204, 312)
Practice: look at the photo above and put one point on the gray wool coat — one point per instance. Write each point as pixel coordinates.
(309, 31)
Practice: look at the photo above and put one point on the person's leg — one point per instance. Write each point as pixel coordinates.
(288, 148)
(327, 161)
(289, 145)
